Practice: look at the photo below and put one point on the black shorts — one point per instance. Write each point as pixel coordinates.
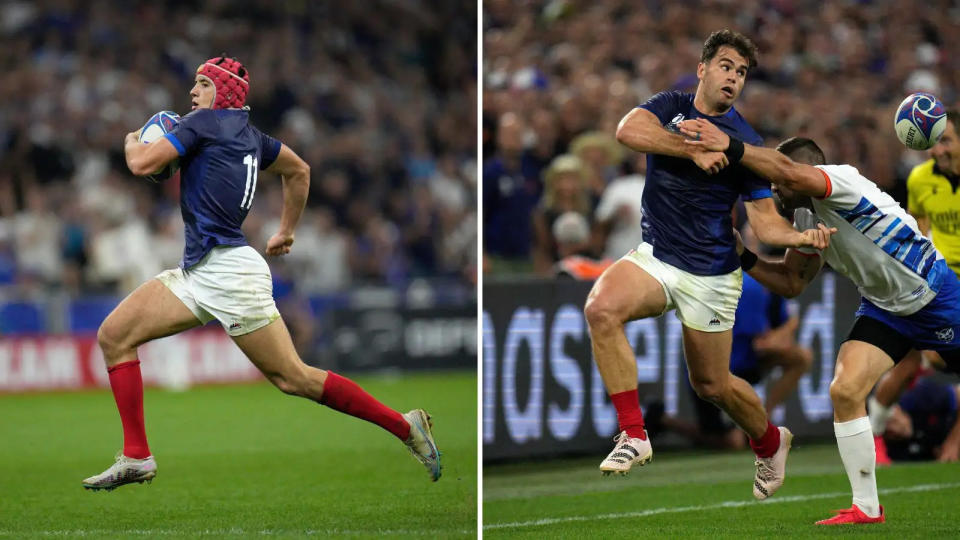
(896, 345)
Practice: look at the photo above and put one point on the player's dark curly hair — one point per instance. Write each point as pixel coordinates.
(738, 41)
(953, 115)
(802, 150)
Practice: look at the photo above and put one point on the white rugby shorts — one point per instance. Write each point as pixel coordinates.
(705, 303)
(231, 284)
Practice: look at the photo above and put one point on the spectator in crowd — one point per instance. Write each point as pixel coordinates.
(509, 196)
(602, 154)
(619, 214)
(36, 237)
(561, 222)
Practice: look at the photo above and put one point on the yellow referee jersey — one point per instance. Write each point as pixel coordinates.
(932, 195)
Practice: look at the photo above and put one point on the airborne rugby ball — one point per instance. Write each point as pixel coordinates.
(920, 121)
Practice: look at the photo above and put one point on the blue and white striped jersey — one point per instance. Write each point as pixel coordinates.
(878, 245)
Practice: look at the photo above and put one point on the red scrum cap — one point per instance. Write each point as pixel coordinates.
(230, 81)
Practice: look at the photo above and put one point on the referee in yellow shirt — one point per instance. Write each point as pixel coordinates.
(932, 198)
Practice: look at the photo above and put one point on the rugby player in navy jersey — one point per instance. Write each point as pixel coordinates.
(688, 259)
(221, 277)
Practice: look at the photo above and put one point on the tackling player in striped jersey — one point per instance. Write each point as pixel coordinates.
(910, 297)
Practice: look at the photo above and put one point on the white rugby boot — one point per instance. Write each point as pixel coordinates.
(772, 470)
(124, 471)
(421, 444)
(628, 452)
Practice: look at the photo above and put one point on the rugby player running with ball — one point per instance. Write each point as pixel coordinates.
(223, 278)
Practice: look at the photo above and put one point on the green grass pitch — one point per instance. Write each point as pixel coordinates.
(684, 495)
(240, 461)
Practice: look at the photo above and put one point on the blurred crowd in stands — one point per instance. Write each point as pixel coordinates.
(559, 75)
(378, 97)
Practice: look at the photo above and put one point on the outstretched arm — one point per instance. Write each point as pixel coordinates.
(787, 277)
(779, 169)
(640, 130)
(768, 163)
(295, 174)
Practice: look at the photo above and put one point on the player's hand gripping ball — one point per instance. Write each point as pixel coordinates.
(157, 126)
(920, 121)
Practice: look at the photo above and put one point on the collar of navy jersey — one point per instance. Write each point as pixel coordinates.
(730, 112)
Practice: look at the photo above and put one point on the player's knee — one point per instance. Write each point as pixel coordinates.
(294, 383)
(712, 391)
(287, 385)
(111, 340)
(600, 315)
(843, 393)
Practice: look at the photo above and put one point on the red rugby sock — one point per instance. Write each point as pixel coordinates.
(346, 396)
(768, 444)
(127, 386)
(629, 414)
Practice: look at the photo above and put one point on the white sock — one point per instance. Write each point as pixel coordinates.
(879, 414)
(855, 441)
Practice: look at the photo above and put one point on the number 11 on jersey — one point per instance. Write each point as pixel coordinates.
(251, 163)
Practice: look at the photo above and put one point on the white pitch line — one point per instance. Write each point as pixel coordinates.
(725, 504)
(99, 533)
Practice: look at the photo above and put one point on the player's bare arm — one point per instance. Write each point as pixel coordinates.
(144, 159)
(801, 178)
(640, 130)
(789, 276)
(295, 174)
(772, 229)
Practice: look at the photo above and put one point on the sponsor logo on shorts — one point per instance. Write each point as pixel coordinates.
(235, 325)
(945, 335)
(918, 291)
(715, 320)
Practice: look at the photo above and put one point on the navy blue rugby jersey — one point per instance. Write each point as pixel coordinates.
(220, 155)
(686, 212)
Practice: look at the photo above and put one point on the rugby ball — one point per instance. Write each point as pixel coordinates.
(920, 121)
(157, 126)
